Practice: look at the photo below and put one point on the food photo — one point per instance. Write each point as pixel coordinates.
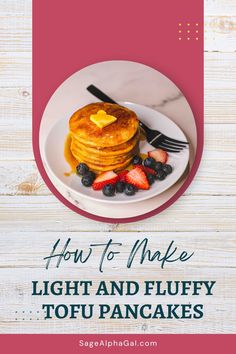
(104, 153)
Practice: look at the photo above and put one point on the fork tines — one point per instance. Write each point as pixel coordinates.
(168, 144)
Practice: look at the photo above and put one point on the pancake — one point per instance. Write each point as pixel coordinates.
(102, 168)
(97, 168)
(113, 151)
(109, 148)
(88, 133)
(106, 153)
(103, 161)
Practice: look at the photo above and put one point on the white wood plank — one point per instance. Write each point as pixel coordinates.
(21, 177)
(216, 176)
(13, 7)
(16, 106)
(172, 326)
(219, 7)
(15, 33)
(220, 33)
(216, 264)
(15, 69)
(46, 213)
(220, 69)
(219, 91)
(38, 245)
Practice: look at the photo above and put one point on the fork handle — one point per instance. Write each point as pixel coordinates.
(145, 128)
(99, 94)
(103, 97)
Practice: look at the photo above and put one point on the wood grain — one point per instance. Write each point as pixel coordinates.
(21, 177)
(27, 264)
(190, 213)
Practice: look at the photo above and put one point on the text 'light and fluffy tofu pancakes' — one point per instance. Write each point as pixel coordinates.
(105, 136)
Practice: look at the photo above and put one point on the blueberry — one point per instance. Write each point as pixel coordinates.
(109, 190)
(167, 169)
(91, 174)
(158, 166)
(137, 160)
(160, 175)
(87, 180)
(120, 186)
(82, 169)
(149, 162)
(150, 178)
(129, 189)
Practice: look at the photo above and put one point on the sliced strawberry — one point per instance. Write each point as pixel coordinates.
(147, 170)
(159, 155)
(137, 178)
(108, 177)
(122, 175)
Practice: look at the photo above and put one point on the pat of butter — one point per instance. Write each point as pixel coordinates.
(102, 119)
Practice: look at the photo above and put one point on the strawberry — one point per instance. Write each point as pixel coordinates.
(147, 170)
(122, 175)
(158, 155)
(137, 178)
(108, 177)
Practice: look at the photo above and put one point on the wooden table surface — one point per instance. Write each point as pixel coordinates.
(31, 218)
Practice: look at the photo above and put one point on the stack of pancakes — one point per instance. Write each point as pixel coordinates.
(108, 148)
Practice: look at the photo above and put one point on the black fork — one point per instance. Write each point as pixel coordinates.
(154, 137)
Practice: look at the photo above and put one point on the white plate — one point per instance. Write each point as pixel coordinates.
(56, 164)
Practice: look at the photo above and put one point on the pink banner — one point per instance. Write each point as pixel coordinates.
(70, 35)
(118, 343)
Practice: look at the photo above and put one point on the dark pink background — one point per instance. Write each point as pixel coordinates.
(167, 343)
(71, 34)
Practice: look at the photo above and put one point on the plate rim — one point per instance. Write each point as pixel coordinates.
(110, 201)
